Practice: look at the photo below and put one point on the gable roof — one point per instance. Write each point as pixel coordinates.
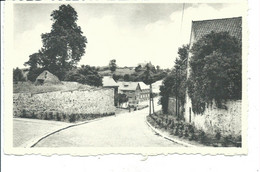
(143, 86)
(204, 27)
(108, 81)
(128, 86)
(47, 77)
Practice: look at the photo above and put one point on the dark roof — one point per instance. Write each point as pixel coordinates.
(231, 25)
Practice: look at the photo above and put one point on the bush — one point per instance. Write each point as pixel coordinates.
(57, 116)
(18, 75)
(218, 135)
(202, 136)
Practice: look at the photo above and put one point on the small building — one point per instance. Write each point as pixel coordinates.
(145, 91)
(109, 82)
(131, 89)
(47, 78)
(156, 86)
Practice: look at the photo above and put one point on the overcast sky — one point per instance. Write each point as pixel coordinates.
(129, 33)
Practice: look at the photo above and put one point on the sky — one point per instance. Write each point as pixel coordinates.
(129, 33)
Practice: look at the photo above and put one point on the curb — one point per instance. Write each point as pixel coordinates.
(35, 141)
(167, 137)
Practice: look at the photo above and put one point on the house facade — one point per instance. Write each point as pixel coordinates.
(131, 89)
(145, 91)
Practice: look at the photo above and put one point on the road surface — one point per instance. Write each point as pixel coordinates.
(123, 130)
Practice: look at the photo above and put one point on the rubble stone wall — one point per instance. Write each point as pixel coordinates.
(94, 101)
(226, 121)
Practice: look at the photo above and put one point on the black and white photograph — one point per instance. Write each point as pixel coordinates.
(141, 77)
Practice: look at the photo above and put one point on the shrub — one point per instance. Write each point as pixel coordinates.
(202, 136)
(18, 75)
(227, 140)
(218, 135)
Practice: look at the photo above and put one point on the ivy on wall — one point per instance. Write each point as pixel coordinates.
(215, 70)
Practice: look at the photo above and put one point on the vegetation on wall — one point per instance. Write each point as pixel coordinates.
(216, 71)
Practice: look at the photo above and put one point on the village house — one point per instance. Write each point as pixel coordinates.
(135, 91)
(109, 82)
(131, 89)
(145, 91)
(47, 78)
(231, 118)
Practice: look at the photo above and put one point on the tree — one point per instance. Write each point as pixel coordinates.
(121, 98)
(85, 75)
(115, 77)
(149, 77)
(18, 75)
(216, 70)
(138, 68)
(175, 83)
(112, 65)
(64, 46)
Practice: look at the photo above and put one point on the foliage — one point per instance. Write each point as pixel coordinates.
(34, 73)
(58, 116)
(112, 65)
(121, 98)
(116, 77)
(138, 68)
(18, 75)
(126, 77)
(84, 75)
(216, 70)
(63, 47)
(175, 83)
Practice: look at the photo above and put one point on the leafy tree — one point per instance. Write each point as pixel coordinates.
(138, 68)
(34, 73)
(216, 70)
(175, 83)
(112, 65)
(121, 98)
(18, 75)
(85, 75)
(64, 46)
(116, 77)
(166, 91)
(126, 77)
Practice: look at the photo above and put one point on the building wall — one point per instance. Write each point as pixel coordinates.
(97, 101)
(214, 119)
(227, 121)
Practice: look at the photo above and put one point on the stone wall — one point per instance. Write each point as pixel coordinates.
(93, 101)
(226, 121)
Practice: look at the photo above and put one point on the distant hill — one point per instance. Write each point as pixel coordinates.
(105, 71)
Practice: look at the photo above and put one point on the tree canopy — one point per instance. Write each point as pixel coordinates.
(175, 83)
(85, 75)
(18, 75)
(112, 65)
(63, 47)
(216, 70)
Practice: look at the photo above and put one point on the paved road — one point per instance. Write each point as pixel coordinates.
(123, 130)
